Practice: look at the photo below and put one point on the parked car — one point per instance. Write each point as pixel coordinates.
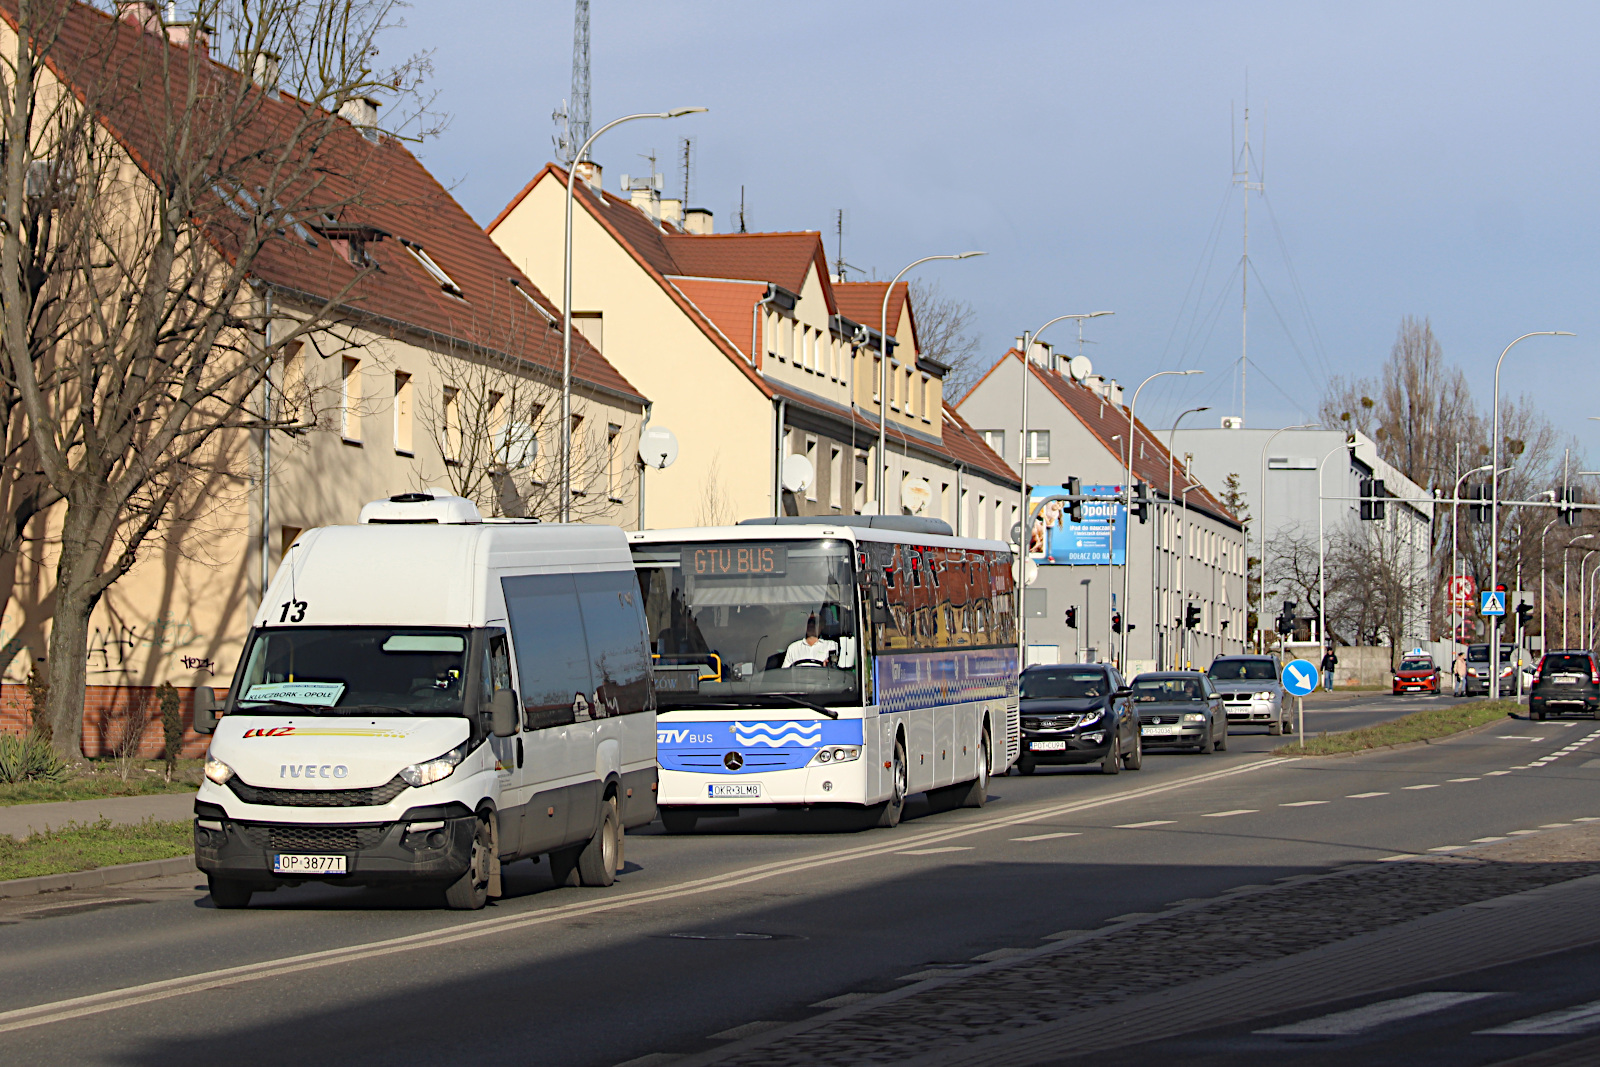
(1566, 680)
(1417, 674)
(1180, 709)
(1077, 713)
(1251, 692)
(1478, 670)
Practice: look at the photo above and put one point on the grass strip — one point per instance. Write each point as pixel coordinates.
(1421, 726)
(80, 847)
(99, 779)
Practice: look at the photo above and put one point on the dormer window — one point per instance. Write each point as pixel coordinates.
(436, 272)
(350, 241)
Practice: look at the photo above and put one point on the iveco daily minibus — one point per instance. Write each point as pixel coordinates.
(426, 696)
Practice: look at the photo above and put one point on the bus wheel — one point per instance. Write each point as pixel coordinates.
(597, 863)
(679, 820)
(471, 891)
(890, 810)
(977, 791)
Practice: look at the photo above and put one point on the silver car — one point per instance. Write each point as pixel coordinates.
(1251, 692)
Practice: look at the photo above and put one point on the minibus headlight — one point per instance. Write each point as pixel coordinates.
(837, 754)
(217, 771)
(435, 770)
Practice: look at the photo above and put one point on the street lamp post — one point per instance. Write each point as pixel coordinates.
(1024, 520)
(1566, 609)
(1172, 436)
(1544, 632)
(1127, 496)
(1456, 616)
(564, 512)
(1322, 578)
(883, 380)
(1583, 562)
(1261, 535)
(1183, 591)
(1494, 507)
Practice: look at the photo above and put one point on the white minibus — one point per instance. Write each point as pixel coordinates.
(828, 663)
(425, 697)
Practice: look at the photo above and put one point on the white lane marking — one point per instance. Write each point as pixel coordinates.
(1047, 837)
(1588, 818)
(1448, 848)
(1301, 803)
(1493, 773)
(1486, 840)
(130, 996)
(1576, 1020)
(1363, 796)
(1553, 825)
(1371, 1016)
(1226, 814)
(933, 851)
(1463, 779)
(1521, 833)
(1430, 785)
(1142, 825)
(1517, 737)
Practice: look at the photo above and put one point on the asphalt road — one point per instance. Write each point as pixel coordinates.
(755, 923)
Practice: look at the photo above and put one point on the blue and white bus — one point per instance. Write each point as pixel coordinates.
(838, 663)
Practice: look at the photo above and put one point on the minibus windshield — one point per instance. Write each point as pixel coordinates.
(355, 670)
(751, 622)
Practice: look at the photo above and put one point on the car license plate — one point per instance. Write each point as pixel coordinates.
(291, 863)
(1161, 731)
(1048, 746)
(1564, 679)
(733, 789)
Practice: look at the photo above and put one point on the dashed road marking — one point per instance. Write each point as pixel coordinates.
(1430, 785)
(1226, 814)
(1523, 833)
(1142, 825)
(1048, 837)
(935, 851)
(1371, 1016)
(1448, 848)
(1494, 773)
(1486, 840)
(1364, 796)
(1302, 803)
(1463, 779)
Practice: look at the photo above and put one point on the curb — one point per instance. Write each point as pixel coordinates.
(1468, 732)
(98, 876)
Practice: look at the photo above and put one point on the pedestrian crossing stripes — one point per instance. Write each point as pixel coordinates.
(1576, 1020)
(1371, 1016)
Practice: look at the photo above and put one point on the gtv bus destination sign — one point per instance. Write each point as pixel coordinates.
(734, 559)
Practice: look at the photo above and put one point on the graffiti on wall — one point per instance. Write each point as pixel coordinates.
(112, 648)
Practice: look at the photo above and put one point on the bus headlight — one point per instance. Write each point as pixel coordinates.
(436, 769)
(837, 754)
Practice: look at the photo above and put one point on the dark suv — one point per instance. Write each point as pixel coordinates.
(1567, 680)
(1077, 713)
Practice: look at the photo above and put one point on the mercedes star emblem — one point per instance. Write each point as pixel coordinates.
(733, 761)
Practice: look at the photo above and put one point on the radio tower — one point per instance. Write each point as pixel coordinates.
(572, 118)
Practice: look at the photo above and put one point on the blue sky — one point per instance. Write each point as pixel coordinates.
(1435, 160)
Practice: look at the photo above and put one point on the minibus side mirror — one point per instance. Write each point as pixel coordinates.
(205, 710)
(503, 713)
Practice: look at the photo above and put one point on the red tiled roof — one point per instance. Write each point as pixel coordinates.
(781, 258)
(969, 447)
(384, 185)
(729, 305)
(863, 302)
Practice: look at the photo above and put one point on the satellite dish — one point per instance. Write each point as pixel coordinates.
(916, 494)
(658, 447)
(1079, 367)
(797, 473)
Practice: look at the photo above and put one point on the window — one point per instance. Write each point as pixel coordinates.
(402, 413)
(436, 272)
(450, 430)
(836, 477)
(613, 622)
(786, 338)
(983, 519)
(944, 502)
(350, 399)
(995, 439)
(577, 449)
(860, 497)
(925, 401)
(811, 457)
(1038, 444)
(592, 325)
(877, 377)
(963, 529)
(772, 335)
(552, 655)
(613, 464)
(295, 399)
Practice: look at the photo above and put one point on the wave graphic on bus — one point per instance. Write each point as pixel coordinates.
(773, 735)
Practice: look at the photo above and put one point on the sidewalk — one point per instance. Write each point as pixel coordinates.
(1252, 952)
(22, 820)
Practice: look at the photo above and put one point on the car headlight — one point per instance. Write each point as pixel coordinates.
(1091, 718)
(1194, 717)
(217, 771)
(435, 770)
(837, 754)
(1262, 697)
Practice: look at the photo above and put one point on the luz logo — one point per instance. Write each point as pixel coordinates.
(312, 770)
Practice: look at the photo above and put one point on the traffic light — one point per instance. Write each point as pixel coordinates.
(1116, 622)
(1191, 616)
(1075, 490)
(1570, 516)
(1372, 506)
(1524, 615)
(1478, 512)
(1072, 618)
(1286, 618)
(1141, 501)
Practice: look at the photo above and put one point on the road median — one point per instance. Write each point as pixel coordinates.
(1432, 724)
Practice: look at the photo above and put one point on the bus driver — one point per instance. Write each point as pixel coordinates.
(811, 648)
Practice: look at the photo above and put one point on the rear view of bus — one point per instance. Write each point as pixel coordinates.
(797, 666)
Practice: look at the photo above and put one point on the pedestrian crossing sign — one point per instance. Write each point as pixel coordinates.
(1494, 602)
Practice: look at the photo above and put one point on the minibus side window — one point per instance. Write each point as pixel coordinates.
(613, 619)
(552, 655)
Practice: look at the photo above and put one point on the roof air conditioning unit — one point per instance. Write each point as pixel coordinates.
(1233, 422)
(428, 506)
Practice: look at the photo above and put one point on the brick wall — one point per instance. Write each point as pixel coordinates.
(108, 712)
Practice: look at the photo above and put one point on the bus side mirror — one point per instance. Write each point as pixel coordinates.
(503, 713)
(205, 710)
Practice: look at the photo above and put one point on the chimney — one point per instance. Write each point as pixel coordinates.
(1096, 384)
(264, 72)
(362, 113)
(672, 211)
(646, 201)
(1041, 353)
(142, 13)
(1114, 392)
(698, 220)
(589, 173)
(184, 34)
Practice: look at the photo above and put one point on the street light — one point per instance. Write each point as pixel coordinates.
(1494, 507)
(1455, 539)
(883, 380)
(1183, 592)
(1566, 608)
(1024, 519)
(1172, 436)
(564, 513)
(1261, 544)
(1322, 579)
(1127, 496)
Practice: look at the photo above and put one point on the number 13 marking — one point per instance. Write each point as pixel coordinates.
(298, 607)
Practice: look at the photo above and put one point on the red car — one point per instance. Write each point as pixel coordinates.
(1417, 674)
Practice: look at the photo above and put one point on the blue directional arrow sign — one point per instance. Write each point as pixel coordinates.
(1494, 603)
(1300, 677)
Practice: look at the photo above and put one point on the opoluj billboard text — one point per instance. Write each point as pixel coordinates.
(1101, 538)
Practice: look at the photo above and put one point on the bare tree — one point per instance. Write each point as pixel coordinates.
(142, 189)
(945, 332)
(715, 507)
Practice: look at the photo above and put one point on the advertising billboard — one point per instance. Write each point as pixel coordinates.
(1101, 538)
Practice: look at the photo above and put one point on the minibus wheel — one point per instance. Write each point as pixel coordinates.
(471, 891)
(598, 862)
(228, 894)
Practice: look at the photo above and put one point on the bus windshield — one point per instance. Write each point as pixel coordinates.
(751, 622)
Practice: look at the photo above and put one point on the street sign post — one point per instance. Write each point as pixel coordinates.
(1494, 602)
(1299, 678)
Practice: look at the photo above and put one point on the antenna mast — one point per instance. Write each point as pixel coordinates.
(838, 229)
(688, 164)
(1242, 176)
(580, 77)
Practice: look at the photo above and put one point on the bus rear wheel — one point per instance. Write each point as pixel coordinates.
(890, 810)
